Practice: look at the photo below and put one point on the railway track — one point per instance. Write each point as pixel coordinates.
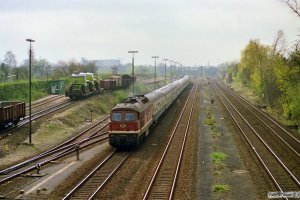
(282, 172)
(44, 102)
(163, 182)
(44, 112)
(86, 138)
(36, 116)
(96, 180)
(91, 185)
(282, 142)
(288, 137)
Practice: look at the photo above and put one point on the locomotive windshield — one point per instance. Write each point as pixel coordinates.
(123, 116)
(116, 116)
(129, 116)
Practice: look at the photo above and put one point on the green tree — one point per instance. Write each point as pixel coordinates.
(253, 65)
(288, 79)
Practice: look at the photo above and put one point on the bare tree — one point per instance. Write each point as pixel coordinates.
(114, 70)
(293, 5)
(297, 47)
(279, 46)
(10, 59)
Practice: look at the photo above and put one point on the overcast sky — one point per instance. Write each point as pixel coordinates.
(192, 32)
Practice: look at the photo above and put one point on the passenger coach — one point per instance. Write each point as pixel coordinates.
(131, 119)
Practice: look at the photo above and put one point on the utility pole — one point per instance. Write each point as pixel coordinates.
(175, 70)
(132, 80)
(171, 61)
(30, 57)
(155, 57)
(165, 59)
(201, 71)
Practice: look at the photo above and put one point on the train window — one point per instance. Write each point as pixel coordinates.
(116, 116)
(129, 116)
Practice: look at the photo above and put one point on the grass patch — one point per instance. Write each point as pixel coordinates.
(218, 156)
(220, 188)
(209, 120)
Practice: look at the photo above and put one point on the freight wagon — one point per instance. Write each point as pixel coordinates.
(11, 112)
(82, 85)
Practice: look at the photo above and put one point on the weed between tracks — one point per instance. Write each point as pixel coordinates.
(216, 156)
(220, 188)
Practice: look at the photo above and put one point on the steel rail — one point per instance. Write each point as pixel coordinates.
(182, 149)
(60, 147)
(44, 112)
(88, 176)
(274, 132)
(269, 118)
(265, 144)
(62, 154)
(252, 146)
(166, 149)
(93, 173)
(41, 103)
(108, 178)
(6, 132)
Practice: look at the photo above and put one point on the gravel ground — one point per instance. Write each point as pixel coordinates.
(204, 171)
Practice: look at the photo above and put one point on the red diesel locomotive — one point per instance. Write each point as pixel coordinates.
(131, 119)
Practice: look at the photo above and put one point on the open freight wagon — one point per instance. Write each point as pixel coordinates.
(11, 112)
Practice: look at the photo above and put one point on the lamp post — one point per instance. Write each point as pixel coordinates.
(155, 57)
(30, 55)
(171, 70)
(175, 72)
(165, 59)
(132, 80)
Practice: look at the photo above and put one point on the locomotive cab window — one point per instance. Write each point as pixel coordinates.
(116, 116)
(130, 116)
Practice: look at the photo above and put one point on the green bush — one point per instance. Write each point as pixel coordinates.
(19, 91)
